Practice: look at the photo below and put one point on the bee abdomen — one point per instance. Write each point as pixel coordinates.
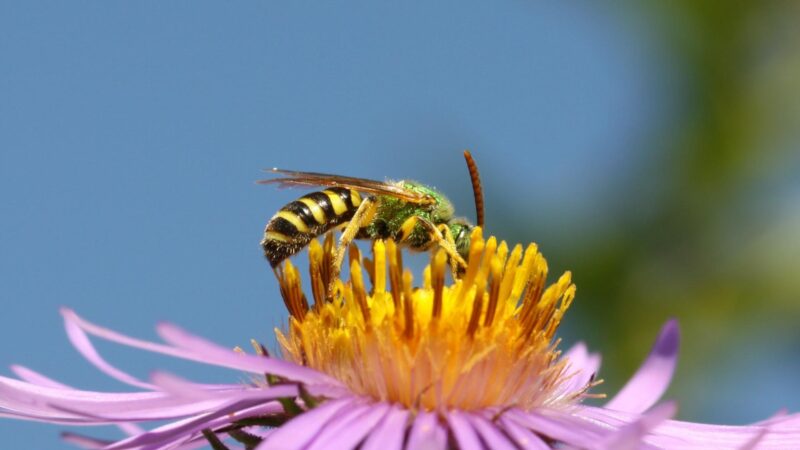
(300, 221)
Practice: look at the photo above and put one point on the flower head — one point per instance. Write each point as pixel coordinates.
(484, 341)
(472, 364)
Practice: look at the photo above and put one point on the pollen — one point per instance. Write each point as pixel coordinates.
(484, 340)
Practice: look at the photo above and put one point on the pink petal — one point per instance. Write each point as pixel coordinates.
(566, 427)
(582, 367)
(110, 335)
(427, 432)
(630, 436)
(723, 436)
(193, 438)
(84, 441)
(180, 429)
(328, 391)
(389, 434)
(81, 342)
(178, 387)
(204, 352)
(34, 377)
(19, 397)
(490, 433)
(350, 428)
(189, 445)
(675, 434)
(651, 380)
(779, 416)
(130, 429)
(180, 338)
(247, 399)
(47, 418)
(298, 432)
(524, 437)
(464, 433)
(755, 440)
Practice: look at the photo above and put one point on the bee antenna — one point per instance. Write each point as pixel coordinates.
(476, 186)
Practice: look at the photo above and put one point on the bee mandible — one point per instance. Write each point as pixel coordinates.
(412, 214)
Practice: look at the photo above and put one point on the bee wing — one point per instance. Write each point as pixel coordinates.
(293, 179)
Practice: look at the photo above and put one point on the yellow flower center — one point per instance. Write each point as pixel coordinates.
(485, 340)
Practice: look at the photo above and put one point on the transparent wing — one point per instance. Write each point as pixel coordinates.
(293, 179)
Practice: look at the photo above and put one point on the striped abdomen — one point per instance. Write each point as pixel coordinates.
(297, 223)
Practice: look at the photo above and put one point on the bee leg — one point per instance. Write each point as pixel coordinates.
(448, 236)
(361, 217)
(449, 246)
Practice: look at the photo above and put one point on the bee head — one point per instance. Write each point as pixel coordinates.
(461, 230)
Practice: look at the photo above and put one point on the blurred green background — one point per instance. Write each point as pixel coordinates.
(705, 224)
(649, 147)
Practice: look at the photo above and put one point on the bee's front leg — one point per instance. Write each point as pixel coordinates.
(448, 236)
(448, 245)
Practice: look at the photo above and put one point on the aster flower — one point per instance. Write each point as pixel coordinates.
(469, 365)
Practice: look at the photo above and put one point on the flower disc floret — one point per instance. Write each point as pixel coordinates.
(486, 340)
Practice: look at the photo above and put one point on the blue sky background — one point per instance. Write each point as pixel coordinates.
(131, 134)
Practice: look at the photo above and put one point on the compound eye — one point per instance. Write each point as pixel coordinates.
(462, 234)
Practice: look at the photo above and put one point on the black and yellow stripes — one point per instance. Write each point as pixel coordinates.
(297, 223)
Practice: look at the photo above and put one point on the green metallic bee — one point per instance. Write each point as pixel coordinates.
(412, 214)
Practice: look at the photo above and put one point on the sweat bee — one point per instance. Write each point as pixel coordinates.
(412, 214)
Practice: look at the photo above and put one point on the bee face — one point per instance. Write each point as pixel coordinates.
(461, 231)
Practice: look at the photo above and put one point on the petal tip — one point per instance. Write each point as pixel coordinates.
(669, 339)
(164, 327)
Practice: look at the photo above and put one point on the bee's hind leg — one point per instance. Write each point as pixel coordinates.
(362, 217)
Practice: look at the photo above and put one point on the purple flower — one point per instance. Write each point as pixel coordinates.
(470, 365)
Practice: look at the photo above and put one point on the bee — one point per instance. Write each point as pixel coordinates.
(412, 214)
